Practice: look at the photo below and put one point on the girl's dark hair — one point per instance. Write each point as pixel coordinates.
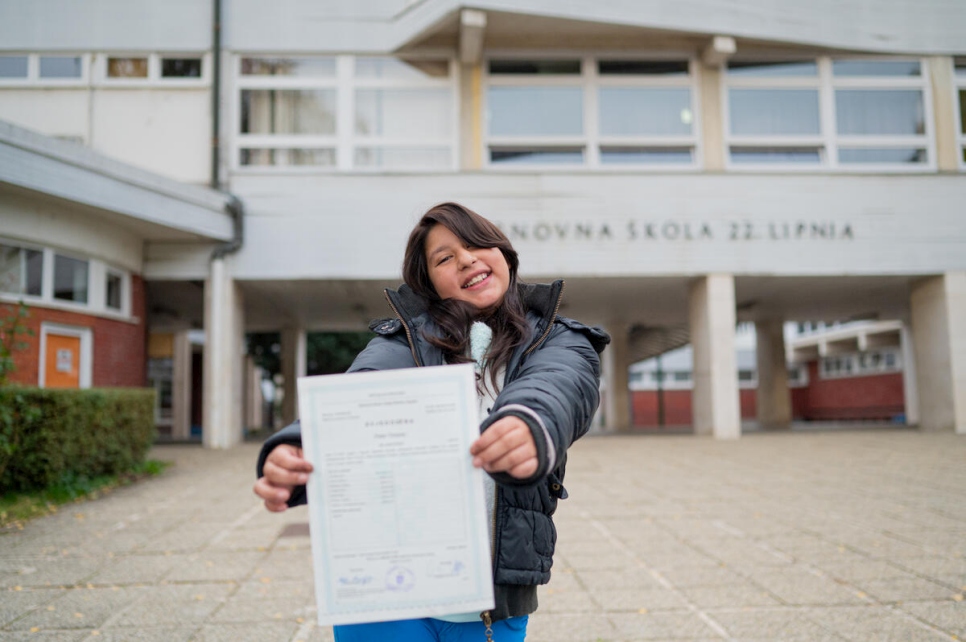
(454, 318)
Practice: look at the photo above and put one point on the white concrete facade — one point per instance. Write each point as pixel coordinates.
(696, 247)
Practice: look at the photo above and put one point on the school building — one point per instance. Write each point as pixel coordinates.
(174, 175)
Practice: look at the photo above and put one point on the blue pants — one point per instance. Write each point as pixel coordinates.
(430, 630)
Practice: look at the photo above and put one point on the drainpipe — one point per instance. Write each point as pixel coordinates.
(234, 205)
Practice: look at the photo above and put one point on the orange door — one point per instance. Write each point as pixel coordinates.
(62, 365)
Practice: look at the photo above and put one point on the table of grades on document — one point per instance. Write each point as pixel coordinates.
(396, 508)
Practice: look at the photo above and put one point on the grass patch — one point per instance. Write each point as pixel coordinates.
(16, 508)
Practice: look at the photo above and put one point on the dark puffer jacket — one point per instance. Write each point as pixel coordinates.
(551, 383)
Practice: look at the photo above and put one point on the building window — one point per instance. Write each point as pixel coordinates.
(70, 279)
(127, 67)
(590, 112)
(347, 112)
(960, 68)
(861, 364)
(13, 67)
(113, 294)
(44, 69)
(21, 270)
(61, 67)
(843, 113)
(181, 67)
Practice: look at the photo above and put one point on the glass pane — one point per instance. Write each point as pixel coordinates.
(307, 67)
(535, 111)
(113, 288)
(20, 270)
(127, 67)
(181, 68)
(962, 111)
(401, 69)
(892, 155)
(284, 157)
(288, 111)
(889, 112)
(404, 113)
(876, 68)
(646, 155)
(665, 68)
(960, 65)
(70, 279)
(784, 69)
(560, 156)
(540, 67)
(13, 66)
(645, 111)
(773, 112)
(775, 156)
(60, 67)
(404, 157)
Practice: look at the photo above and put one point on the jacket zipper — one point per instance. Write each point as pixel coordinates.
(556, 308)
(409, 335)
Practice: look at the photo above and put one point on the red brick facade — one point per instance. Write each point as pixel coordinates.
(119, 347)
(874, 397)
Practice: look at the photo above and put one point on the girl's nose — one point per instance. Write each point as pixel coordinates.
(466, 257)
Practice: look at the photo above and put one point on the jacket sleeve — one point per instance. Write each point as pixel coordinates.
(556, 393)
(382, 353)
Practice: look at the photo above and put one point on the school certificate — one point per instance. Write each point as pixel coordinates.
(396, 509)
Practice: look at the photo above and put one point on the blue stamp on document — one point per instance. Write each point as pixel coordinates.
(400, 579)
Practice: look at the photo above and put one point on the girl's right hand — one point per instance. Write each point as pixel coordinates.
(284, 469)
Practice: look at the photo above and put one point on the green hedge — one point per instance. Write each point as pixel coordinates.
(49, 436)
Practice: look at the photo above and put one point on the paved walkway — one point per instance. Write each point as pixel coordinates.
(802, 536)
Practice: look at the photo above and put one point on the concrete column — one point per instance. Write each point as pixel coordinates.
(939, 337)
(773, 398)
(617, 399)
(471, 116)
(294, 360)
(714, 402)
(712, 123)
(181, 386)
(941, 76)
(910, 386)
(224, 344)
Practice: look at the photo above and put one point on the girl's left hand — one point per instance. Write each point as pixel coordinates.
(506, 446)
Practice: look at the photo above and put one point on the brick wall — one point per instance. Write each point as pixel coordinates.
(878, 396)
(677, 407)
(119, 347)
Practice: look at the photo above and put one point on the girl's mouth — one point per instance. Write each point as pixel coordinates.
(479, 278)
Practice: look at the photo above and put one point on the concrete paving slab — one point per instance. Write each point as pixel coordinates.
(794, 536)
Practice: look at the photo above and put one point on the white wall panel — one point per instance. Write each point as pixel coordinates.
(137, 25)
(167, 132)
(54, 112)
(587, 224)
(59, 226)
(909, 26)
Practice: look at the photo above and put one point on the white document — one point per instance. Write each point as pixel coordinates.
(396, 508)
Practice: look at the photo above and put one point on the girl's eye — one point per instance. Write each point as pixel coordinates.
(443, 260)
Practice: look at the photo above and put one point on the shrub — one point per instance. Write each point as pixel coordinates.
(50, 436)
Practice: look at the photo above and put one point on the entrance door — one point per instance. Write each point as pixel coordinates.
(62, 368)
(66, 356)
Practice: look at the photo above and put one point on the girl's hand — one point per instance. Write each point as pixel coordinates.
(284, 469)
(506, 447)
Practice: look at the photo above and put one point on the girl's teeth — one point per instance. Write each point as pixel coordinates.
(476, 280)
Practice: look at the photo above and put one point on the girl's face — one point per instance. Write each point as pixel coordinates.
(478, 276)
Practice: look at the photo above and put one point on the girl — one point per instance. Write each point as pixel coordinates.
(538, 381)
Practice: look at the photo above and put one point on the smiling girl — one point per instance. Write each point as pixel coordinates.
(538, 381)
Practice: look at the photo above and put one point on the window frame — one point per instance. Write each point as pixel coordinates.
(154, 78)
(33, 78)
(828, 141)
(97, 271)
(959, 87)
(590, 81)
(344, 141)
